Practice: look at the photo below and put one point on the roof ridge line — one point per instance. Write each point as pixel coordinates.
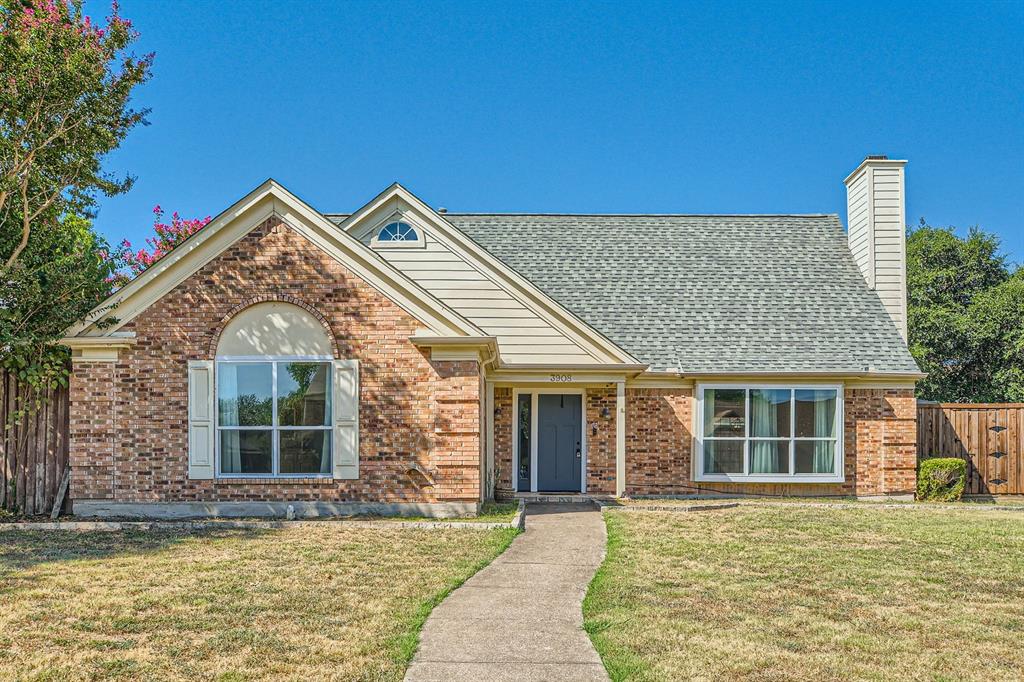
(633, 215)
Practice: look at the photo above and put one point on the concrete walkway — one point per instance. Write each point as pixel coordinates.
(520, 618)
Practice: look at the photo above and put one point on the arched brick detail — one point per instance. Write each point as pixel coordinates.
(271, 298)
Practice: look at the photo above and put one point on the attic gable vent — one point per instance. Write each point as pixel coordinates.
(397, 232)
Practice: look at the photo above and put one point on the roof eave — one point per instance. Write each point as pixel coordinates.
(896, 376)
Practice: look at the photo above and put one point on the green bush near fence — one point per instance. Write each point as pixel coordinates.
(941, 479)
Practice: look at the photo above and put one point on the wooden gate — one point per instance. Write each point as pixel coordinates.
(989, 436)
(33, 450)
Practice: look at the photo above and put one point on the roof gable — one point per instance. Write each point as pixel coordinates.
(270, 198)
(458, 271)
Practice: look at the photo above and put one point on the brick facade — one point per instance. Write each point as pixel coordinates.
(600, 440)
(129, 418)
(880, 449)
(129, 430)
(504, 470)
(658, 441)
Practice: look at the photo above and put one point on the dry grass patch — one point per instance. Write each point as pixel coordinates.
(490, 512)
(303, 603)
(799, 593)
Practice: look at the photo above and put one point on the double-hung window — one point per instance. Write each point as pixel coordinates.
(769, 433)
(274, 417)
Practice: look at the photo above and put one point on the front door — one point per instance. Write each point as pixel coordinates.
(559, 446)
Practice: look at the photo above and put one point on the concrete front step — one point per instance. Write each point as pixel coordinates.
(561, 498)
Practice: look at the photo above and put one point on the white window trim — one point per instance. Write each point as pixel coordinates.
(838, 477)
(534, 392)
(275, 457)
(398, 217)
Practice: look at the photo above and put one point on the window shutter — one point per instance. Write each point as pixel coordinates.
(346, 419)
(200, 419)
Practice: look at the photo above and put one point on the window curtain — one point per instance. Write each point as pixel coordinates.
(765, 417)
(325, 455)
(709, 412)
(227, 395)
(823, 417)
(709, 427)
(230, 444)
(230, 452)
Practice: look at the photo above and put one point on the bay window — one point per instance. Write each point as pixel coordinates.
(274, 418)
(769, 433)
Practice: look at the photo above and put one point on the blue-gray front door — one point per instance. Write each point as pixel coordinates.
(559, 453)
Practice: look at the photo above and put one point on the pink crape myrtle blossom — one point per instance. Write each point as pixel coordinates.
(131, 262)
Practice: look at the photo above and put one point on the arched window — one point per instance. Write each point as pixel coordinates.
(397, 231)
(273, 394)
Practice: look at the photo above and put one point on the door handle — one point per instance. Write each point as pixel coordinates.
(578, 454)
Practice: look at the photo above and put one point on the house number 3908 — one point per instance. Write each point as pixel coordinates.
(561, 378)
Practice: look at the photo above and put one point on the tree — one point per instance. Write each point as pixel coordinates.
(997, 318)
(65, 84)
(964, 316)
(130, 262)
(64, 272)
(63, 106)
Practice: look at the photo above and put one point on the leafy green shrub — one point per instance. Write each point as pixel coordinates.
(941, 479)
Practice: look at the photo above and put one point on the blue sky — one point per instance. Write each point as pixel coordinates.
(616, 107)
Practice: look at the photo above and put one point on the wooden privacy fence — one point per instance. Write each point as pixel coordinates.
(33, 450)
(989, 436)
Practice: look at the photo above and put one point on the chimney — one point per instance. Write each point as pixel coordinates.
(876, 230)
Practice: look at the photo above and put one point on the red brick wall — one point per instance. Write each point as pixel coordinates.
(883, 424)
(879, 445)
(129, 429)
(92, 430)
(600, 445)
(658, 441)
(880, 449)
(504, 412)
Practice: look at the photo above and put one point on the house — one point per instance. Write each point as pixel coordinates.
(405, 359)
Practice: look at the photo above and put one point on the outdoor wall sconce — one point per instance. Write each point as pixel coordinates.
(606, 413)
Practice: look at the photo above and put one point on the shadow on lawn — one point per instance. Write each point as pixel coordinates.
(20, 550)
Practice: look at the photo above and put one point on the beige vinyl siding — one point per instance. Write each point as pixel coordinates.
(889, 241)
(523, 336)
(859, 231)
(876, 217)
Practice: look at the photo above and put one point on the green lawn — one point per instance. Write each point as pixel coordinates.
(303, 603)
(811, 593)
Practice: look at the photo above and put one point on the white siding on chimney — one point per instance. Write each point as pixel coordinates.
(876, 217)
(523, 336)
(859, 234)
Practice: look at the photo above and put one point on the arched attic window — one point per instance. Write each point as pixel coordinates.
(397, 233)
(283, 406)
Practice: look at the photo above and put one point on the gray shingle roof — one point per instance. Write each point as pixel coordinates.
(701, 294)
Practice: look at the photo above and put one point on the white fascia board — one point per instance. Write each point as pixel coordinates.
(118, 340)
(182, 257)
(520, 288)
(269, 199)
(563, 374)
